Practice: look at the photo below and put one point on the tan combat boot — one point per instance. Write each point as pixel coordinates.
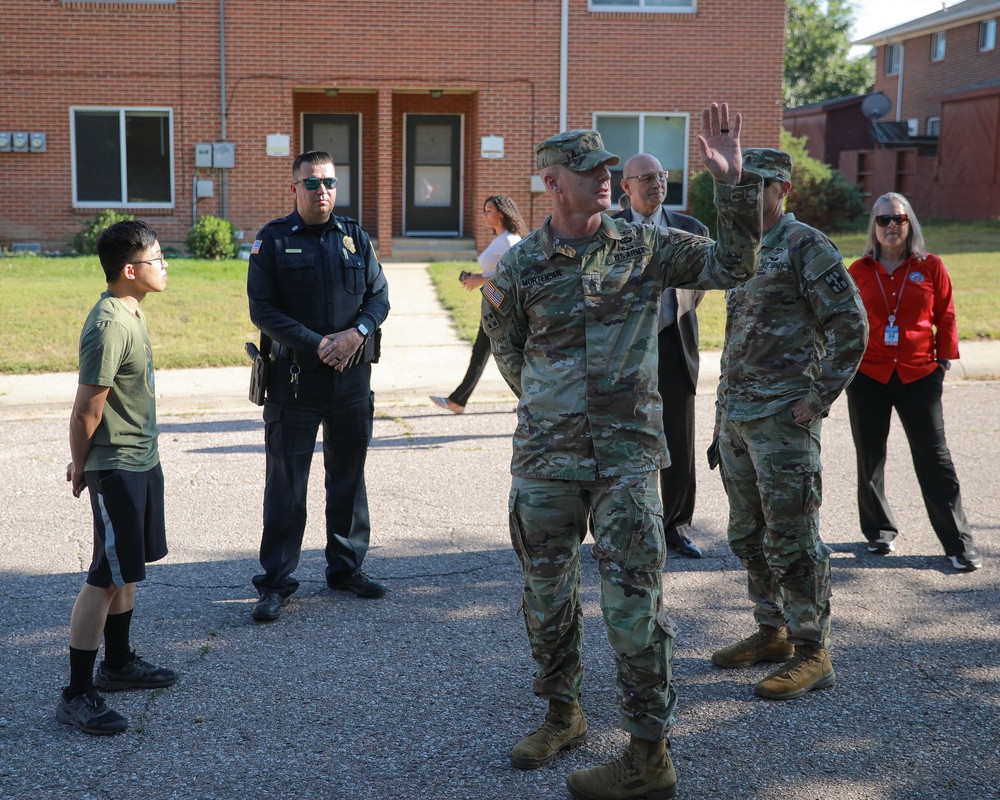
(564, 727)
(810, 669)
(768, 644)
(644, 770)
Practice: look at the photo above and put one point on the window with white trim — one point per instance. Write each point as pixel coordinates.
(912, 127)
(664, 136)
(646, 6)
(122, 157)
(934, 126)
(987, 35)
(893, 58)
(938, 45)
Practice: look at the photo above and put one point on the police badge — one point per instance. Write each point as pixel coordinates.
(349, 244)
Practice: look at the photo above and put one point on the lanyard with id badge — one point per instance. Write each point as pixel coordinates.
(892, 329)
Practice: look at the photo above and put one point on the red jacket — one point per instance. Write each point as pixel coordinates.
(926, 317)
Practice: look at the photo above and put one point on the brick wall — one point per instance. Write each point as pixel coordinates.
(925, 81)
(497, 61)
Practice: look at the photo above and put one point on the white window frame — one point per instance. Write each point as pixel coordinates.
(934, 126)
(913, 127)
(893, 58)
(644, 7)
(987, 35)
(640, 117)
(939, 45)
(122, 111)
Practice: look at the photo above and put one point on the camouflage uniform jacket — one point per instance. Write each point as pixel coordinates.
(574, 333)
(796, 330)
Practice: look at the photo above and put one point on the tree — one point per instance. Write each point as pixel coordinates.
(818, 63)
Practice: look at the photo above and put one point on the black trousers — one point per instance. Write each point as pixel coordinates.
(480, 357)
(677, 482)
(344, 405)
(918, 405)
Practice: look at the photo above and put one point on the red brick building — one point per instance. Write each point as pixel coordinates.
(175, 109)
(941, 74)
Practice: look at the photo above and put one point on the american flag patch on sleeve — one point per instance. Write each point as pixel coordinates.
(493, 294)
(256, 247)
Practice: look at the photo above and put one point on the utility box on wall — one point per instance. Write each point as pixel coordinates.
(203, 155)
(223, 155)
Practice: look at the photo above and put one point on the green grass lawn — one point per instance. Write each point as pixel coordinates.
(201, 320)
(970, 250)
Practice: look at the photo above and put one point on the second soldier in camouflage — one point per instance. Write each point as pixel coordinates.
(795, 335)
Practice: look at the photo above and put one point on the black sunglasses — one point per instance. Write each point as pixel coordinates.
(883, 220)
(312, 184)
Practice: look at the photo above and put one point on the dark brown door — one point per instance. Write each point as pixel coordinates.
(337, 134)
(433, 175)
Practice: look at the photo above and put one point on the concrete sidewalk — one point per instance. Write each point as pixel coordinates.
(421, 355)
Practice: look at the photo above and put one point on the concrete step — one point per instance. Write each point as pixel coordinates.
(414, 248)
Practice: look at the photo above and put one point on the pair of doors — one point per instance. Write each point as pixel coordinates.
(432, 168)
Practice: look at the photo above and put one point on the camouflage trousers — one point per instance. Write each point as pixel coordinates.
(773, 476)
(549, 520)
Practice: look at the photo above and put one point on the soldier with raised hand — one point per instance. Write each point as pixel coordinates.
(795, 335)
(572, 311)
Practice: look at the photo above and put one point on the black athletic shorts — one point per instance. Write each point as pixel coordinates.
(129, 531)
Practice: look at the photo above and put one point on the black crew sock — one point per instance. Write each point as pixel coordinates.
(81, 672)
(117, 650)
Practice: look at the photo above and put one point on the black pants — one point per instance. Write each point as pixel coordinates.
(344, 405)
(918, 405)
(480, 357)
(677, 482)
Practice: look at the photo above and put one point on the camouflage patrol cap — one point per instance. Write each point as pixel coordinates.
(768, 163)
(578, 150)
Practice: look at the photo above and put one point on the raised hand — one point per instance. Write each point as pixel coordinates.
(720, 143)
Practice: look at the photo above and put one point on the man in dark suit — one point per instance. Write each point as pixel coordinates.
(645, 184)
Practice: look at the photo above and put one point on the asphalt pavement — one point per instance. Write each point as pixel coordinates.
(422, 694)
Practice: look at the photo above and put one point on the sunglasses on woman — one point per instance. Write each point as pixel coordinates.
(883, 220)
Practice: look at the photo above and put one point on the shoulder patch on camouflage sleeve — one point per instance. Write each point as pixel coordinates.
(836, 281)
(495, 297)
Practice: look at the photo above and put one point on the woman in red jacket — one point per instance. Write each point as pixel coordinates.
(912, 340)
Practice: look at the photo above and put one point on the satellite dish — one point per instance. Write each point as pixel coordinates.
(875, 106)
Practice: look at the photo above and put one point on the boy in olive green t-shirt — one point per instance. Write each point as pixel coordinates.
(113, 441)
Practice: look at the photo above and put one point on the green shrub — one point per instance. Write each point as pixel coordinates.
(212, 237)
(85, 242)
(820, 195)
(701, 199)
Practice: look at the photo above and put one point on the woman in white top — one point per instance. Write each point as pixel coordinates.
(503, 218)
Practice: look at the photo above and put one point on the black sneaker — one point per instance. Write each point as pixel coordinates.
(268, 608)
(881, 548)
(90, 714)
(135, 674)
(966, 562)
(358, 582)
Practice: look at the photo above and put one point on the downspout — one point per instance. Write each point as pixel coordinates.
(563, 66)
(223, 174)
(899, 82)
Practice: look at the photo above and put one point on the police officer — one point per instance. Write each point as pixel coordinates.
(795, 335)
(572, 311)
(317, 292)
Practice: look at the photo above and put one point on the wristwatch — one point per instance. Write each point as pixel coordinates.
(362, 329)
